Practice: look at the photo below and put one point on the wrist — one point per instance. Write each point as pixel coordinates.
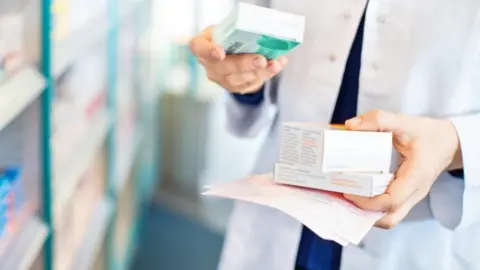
(252, 98)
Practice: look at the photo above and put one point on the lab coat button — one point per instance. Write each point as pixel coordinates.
(375, 66)
(347, 15)
(332, 57)
(381, 19)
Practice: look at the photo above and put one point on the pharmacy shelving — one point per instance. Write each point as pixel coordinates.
(71, 158)
(26, 246)
(61, 138)
(68, 172)
(72, 47)
(18, 92)
(96, 231)
(125, 166)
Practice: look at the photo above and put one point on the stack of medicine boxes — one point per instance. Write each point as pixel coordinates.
(349, 162)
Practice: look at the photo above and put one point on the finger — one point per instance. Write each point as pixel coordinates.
(238, 64)
(402, 188)
(391, 220)
(248, 87)
(238, 79)
(262, 75)
(203, 47)
(277, 65)
(377, 120)
(259, 76)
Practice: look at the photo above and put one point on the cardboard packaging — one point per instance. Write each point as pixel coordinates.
(255, 29)
(323, 150)
(361, 184)
(349, 162)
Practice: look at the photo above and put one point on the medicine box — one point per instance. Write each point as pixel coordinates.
(254, 29)
(361, 184)
(319, 149)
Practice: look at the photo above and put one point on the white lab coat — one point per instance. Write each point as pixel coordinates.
(420, 58)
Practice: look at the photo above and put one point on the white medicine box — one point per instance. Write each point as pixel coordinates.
(319, 150)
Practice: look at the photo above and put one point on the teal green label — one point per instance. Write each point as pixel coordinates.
(273, 48)
(240, 42)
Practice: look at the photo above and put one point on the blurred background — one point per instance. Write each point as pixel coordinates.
(108, 132)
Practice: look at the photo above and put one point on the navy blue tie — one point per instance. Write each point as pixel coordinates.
(314, 252)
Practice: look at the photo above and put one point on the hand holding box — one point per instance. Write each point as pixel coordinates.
(255, 29)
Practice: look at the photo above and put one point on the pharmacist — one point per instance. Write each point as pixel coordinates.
(406, 66)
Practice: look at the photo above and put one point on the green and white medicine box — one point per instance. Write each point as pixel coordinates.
(254, 29)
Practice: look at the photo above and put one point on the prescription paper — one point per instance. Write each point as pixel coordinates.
(327, 214)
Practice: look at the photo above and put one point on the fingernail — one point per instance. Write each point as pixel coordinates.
(353, 122)
(258, 62)
(275, 67)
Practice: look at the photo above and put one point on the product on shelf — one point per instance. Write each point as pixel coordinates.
(64, 244)
(60, 10)
(71, 232)
(12, 198)
(71, 15)
(12, 53)
(127, 97)
(87, 197)
(79, 97)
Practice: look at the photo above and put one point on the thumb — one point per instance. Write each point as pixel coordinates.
(376, 120)
(203, 47)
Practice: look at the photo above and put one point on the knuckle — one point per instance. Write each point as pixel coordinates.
(377, 114)
(393, 205)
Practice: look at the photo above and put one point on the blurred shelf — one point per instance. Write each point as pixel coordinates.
(127, 10)
(124, 263)
(124, 169)
(18, 92)
(68, 50)
(210, 213)
(67, 176)
(26, 246)
(94, 236)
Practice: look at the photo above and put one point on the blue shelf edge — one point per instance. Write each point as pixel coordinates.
(46, 105)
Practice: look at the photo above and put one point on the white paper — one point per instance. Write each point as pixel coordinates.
(329, 215)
